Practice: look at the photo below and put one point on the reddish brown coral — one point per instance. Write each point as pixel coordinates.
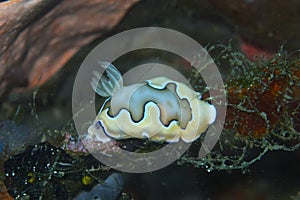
(255, 108)
(38, 37)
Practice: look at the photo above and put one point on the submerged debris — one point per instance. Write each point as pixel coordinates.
(14, 139)
(46, 172)
(110, 189)
(263, 109)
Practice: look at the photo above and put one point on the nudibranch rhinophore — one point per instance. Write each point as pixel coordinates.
(159, 109)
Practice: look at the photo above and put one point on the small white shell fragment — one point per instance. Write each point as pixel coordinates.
(159, 109)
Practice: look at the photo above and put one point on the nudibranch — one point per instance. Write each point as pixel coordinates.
(158, 109)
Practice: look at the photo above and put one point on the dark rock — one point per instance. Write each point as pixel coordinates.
(268, 24)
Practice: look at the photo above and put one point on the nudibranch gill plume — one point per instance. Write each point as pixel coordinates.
(158, 109)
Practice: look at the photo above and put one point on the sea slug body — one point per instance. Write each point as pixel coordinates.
(159, 109)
